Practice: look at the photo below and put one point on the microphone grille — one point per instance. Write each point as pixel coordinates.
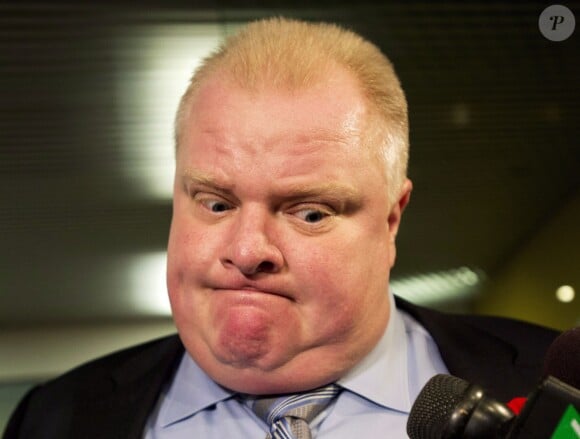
(433, 407)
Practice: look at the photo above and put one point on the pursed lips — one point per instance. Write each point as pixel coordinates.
(249, 290)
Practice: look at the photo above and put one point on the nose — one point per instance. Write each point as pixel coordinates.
(251, 248)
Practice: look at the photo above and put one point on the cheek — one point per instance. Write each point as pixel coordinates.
(183, 268)
(348, 282)
(189, 244)
(332, 284)
(347, 264)
(185, 260)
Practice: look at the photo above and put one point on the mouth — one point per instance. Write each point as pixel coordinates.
(251, 292)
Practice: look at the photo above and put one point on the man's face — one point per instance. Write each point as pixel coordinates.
(282, 236)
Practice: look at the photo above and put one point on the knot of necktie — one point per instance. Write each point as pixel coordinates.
(288, 416)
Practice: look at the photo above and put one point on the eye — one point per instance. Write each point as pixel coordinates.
(216, 206)
(211, 203)
(312, 215)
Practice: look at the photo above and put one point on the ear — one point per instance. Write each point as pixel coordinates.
(398, 207)
(395, 217)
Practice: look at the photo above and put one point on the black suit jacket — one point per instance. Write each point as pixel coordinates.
(112, 397)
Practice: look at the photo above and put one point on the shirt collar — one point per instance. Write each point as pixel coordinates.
(382, 376)
(190, 392)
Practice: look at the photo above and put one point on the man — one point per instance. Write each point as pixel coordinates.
(290, 184)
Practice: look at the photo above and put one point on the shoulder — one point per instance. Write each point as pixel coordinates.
(128, 379)
(137, 359)
(518, 332)
(503, 355)
(521, 334)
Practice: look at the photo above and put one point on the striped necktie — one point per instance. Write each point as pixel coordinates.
(288, 416)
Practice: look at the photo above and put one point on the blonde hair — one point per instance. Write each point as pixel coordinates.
(289, 54)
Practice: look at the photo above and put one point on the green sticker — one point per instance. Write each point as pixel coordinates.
(569, 425)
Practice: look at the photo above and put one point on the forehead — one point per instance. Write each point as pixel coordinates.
(283, 132)
(331, 107)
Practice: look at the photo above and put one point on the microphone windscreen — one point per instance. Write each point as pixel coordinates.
(562, 360)
(434, 406)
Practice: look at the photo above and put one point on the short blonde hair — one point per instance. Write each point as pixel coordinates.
(289, 54)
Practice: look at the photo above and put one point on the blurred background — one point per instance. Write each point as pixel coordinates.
(87, 96)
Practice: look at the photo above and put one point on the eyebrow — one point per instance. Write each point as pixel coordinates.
(332, 190)
(335, 190)
(206, 180)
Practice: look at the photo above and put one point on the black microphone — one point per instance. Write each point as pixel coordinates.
(552, 409)
(451, 408)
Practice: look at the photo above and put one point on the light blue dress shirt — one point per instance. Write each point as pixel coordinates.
(377, 397)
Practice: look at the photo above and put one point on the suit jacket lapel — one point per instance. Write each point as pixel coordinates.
(472, 352)
(119, 403)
